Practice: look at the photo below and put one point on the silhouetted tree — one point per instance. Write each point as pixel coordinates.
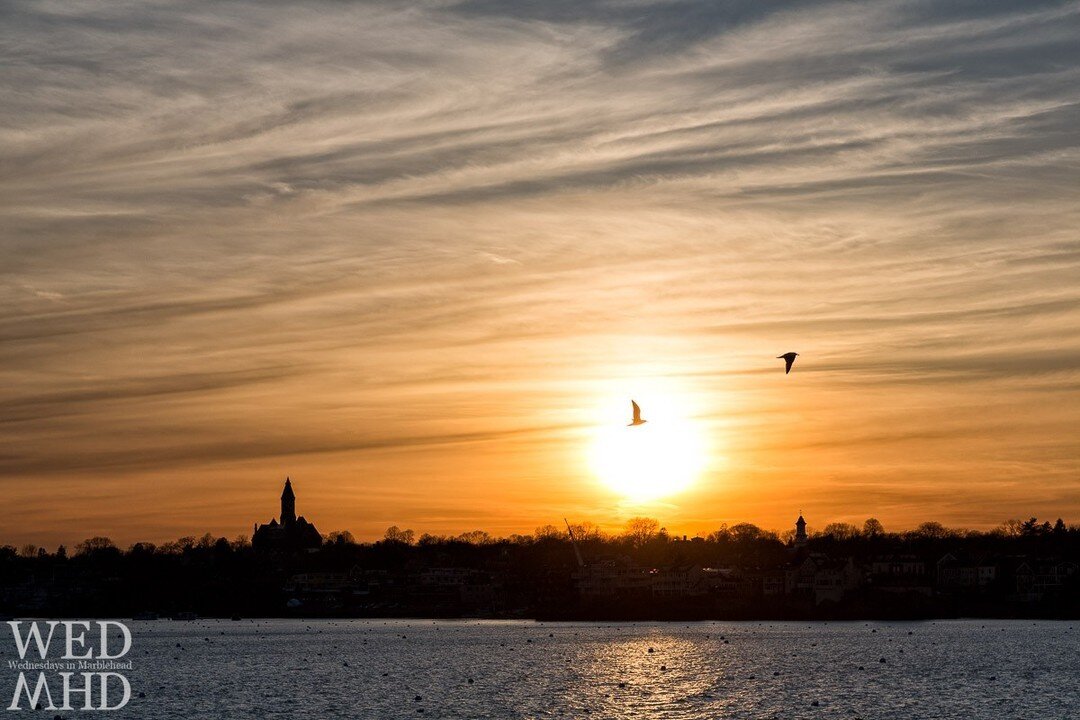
(1012, 528)
(396, 534)
(931, 530)
(341, 537)
(587, 531)
(475, 537)
(640, 530)
(723, 534)
(747, 532)
(549, 532)
(180, 546)
(873, 528)
(94, 544)
(841, 531)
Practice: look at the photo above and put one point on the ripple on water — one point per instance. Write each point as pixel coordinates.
(494, 670)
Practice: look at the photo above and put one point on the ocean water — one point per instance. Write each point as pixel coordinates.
(298, 669)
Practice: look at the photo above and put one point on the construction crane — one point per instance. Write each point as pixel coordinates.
(573, 541)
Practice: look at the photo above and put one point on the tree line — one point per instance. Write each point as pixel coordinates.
(637, 532)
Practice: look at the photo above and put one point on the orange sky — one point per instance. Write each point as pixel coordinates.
(407, 255)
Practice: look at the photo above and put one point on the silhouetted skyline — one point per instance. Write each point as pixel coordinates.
(1025, 569)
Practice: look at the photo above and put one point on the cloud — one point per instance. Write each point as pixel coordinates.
(239, 232)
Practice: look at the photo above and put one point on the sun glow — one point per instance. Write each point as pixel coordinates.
(663, 457)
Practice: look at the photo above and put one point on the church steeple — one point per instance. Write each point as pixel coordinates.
(800, 531)
(289, 534)
(288, 504)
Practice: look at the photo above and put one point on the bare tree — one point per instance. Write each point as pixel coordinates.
(396, 534)
(841, 531)
(1011, 528)
(586, 530)
(340, 537)
(94, 544)
(640, 530)
(722, 534)
(933, 530)
(549, 532)
(746, 532)
(475, 537)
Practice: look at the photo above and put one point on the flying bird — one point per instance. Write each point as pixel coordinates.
(789, 360)
(637, 415)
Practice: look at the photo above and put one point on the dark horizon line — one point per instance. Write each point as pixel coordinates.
(838, 531)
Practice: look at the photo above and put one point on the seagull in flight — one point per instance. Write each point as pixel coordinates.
(637, 415)
(789, 360)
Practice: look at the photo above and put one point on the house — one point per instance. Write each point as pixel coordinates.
(957, 572)
(899, 574)
(904, 566)
(612, 577)
(821, 578)
(720, 581)
(677, 581)
(1033, 579)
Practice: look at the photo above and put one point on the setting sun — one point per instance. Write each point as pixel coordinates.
(662, 457)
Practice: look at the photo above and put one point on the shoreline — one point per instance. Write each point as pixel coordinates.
(571, 618)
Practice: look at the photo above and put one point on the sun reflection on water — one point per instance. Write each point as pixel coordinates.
(638, 677)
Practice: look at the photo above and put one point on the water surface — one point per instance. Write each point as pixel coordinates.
(413, 668)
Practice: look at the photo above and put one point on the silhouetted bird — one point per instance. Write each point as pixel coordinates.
(637, 415)
(789, 360)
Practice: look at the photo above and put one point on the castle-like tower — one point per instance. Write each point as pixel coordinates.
(289, 533)
(800, 532)
(288, 504)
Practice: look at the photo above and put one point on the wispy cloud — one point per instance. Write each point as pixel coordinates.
(239, 232)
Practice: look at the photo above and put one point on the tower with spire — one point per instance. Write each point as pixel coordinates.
(800, 532)
(288, 533)
(288, 504)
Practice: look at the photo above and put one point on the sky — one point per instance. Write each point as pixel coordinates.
(417, 255)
